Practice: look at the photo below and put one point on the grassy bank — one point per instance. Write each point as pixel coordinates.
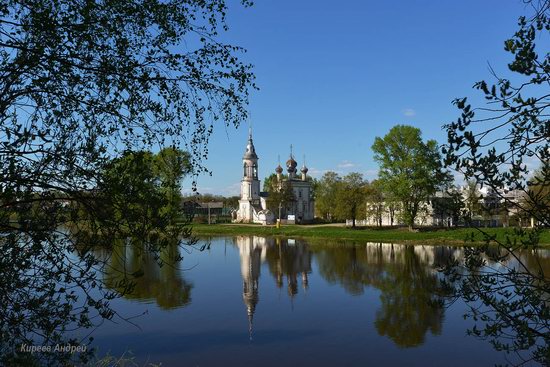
(393, 235)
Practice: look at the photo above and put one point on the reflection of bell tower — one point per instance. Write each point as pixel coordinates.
(250, 253)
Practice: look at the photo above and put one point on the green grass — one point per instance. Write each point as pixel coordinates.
(394, 235)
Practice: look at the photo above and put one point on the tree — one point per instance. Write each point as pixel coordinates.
(409, 168)
(536, 200)
(472, 201)
(170, 166)
(491, 145)
(448, 207)
(279, 194)
(144, 188)
(82, 82)
(325, 198)
(350, 196)
(376, 203)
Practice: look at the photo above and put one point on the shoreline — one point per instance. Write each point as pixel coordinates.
(426, 236)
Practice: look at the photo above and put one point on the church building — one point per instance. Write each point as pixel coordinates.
(253, 204)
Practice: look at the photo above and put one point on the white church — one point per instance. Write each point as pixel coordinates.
(253, 205)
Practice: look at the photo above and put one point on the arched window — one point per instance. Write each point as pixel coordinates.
(255, 170)
(244, 168)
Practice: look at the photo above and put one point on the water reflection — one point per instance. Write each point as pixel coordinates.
(404, 278)
(410, 290)
(285, 258)
(134, 272)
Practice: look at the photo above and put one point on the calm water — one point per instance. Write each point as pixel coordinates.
(254, 300)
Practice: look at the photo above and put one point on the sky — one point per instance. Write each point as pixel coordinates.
(334, 75)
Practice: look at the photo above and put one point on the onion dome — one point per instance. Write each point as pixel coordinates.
(304, 169)
(291, 164)
(279, 169)
(250, 152)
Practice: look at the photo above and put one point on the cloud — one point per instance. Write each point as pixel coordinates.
(315, 172)
(346, 164)
(409, 112)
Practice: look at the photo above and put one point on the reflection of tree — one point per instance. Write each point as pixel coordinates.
(410, 305)
(409, 288)
(136, 274)
(350, 266)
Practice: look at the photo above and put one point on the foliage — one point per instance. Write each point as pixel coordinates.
(325, 197)
(409, 168)
(350, 196)
(376, 202)
(279, 194)
(448, 208)
(472, 198)
(83, 81)
(492, 145)
(144, 190)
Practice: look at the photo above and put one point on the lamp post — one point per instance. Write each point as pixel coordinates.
(279, 221)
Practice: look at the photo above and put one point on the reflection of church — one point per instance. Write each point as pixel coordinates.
(284, 259)
(253, 206)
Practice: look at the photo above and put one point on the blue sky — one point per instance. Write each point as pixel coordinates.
(333, 75)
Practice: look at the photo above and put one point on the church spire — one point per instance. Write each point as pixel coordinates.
(250, 152)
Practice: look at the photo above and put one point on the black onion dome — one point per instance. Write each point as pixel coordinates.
(291, 163)
(279, 169)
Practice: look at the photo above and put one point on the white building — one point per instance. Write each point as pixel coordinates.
(302, 208)
(253, 205)
(496, 208)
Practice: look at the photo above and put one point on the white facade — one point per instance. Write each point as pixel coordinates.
(252, 207)
(429, 216)
(302, 209)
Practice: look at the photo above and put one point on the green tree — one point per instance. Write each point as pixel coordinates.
(376, 203)
(472, 198)
(171, 165)
(82, 82)
(144, 189)
(325, 197)
(409, 168)
(279, 194)
(448, 207)
(350, 196)
(491, 145)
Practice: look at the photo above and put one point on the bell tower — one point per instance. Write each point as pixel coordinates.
(250, 184)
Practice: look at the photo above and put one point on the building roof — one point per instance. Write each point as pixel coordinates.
(250, 152)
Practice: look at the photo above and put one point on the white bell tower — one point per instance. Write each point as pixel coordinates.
(250, 184)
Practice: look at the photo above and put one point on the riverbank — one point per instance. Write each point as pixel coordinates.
(435, 236)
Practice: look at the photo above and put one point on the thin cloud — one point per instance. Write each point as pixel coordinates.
(409, 112)
(346, 164)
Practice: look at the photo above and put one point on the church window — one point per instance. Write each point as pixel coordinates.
(255, 170)
(244, 167)
(300, 193)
